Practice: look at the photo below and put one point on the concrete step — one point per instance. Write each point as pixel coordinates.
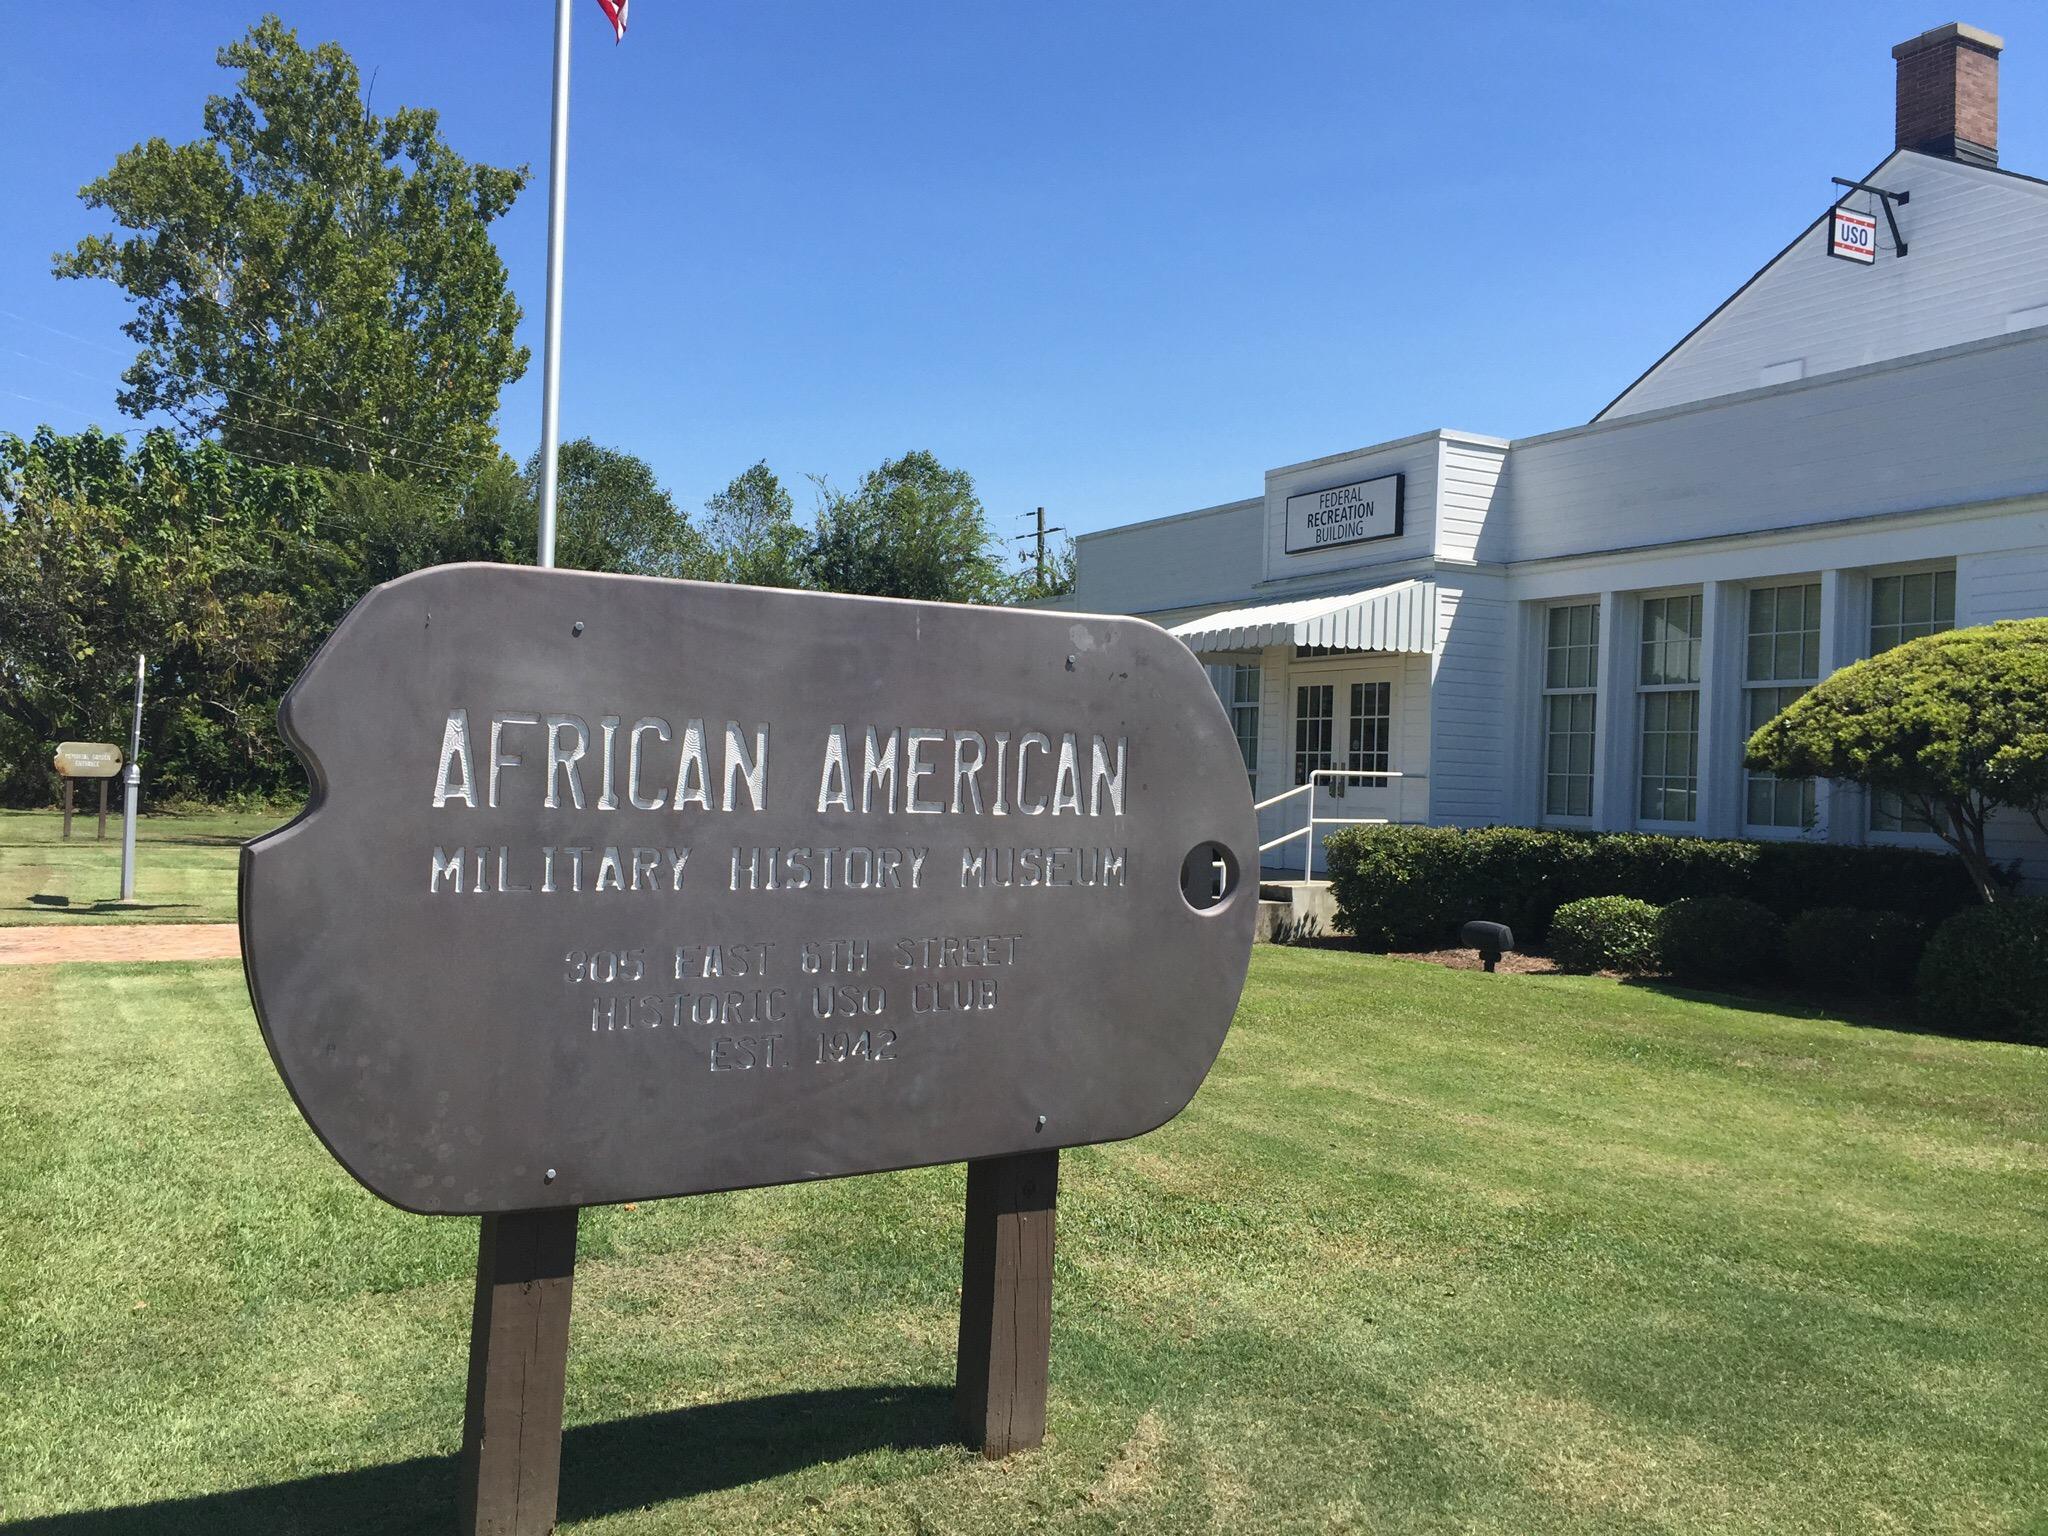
(1272, 924)
(1292, 910)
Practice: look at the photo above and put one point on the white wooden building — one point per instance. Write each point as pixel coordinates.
(1580, 629)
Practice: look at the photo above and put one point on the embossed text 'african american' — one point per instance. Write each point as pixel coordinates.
(524, 756)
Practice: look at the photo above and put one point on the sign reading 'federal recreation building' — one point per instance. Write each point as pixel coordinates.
(613, 888)
(1344, 514)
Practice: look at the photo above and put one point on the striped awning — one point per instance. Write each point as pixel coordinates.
(1401, 617)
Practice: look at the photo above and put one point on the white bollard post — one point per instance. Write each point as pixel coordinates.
(131, 792)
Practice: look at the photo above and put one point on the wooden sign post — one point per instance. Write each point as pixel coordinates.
(617, 889)
(518, 1368)
(1005, 1357)
(86, 760)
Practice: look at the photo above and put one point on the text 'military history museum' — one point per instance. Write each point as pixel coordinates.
(1581, 629)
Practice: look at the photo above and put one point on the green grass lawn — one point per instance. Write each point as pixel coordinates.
(184, 868)
(1432, 1251)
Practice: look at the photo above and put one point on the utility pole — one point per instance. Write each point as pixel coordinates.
(1039, 536)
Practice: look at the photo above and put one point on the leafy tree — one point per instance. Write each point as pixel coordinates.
(210, 566)
(612, 515)
(753, 529)
(1955, 724)
(1056, 580)
(375, 528)
(312, 282)
(914, 528)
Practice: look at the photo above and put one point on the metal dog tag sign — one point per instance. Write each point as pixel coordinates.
(612, 888)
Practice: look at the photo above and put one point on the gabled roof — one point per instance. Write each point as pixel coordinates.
(1883, 170)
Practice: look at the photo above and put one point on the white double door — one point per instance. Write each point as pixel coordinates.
(1344, 720)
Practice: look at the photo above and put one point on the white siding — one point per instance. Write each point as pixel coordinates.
(1414, 458)
(1469, 709)
(2012, 584)
(1974, 239)
(1412, 754)
(1953, 427)
(1468, 471)
(1197, 558)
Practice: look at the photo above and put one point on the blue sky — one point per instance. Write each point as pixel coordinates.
(1115, 259)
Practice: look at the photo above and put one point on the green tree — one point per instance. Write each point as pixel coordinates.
(1955, 724)
(314, 283)
(212, 567)
(611, 514)
(1056, 580)
(753, 529)
(914, 528)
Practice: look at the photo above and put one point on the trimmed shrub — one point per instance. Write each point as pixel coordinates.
(1985, 972)
(1410, 887)
(1718, 938)
(1844, 950)
(1605, 933)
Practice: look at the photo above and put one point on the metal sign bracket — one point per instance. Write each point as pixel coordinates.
(1889, 199)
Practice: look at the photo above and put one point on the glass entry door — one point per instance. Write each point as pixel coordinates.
(1344, 721)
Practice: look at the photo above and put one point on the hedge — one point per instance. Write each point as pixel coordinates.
(1606, 933)
(1411, 887)
(1985, 972)
(1843, 950)
(1717, 938)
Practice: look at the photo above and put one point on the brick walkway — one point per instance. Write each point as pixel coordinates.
(47, 944)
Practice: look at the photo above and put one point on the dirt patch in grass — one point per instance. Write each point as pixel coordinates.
(161, 941)
(1515, 963)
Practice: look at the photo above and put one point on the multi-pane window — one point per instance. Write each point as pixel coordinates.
(1571, 673)
(1315, 726)
(1902, 608)
(1669, 685)
(1237, 685)
(1783, 662)
(1906, 607)
(1372, 730)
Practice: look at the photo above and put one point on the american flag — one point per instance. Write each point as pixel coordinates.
(616, 11)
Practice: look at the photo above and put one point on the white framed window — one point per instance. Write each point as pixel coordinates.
(1783, 661)
(1315, 728)
(1905, 606)
(1668, 686)
(1908, 605)
(1237, 685)
(1372, 730)
(1571, 677)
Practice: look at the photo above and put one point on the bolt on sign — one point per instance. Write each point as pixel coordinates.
(613, 888)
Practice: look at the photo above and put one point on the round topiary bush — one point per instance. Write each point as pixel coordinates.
(1842, 949)
(1605, 933)
(1717, 938)
(1985, 972)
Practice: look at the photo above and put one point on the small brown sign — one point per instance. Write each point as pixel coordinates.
(87, 760)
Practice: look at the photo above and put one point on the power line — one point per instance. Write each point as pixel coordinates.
(457, 468)
(193, 378)
(1039, 536)
(58, 405)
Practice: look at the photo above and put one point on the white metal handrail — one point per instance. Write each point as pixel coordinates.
(1308, 833)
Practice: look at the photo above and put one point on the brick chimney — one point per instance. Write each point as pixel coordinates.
(1948, 93)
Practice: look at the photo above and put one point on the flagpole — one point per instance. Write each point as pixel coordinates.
(551, 355)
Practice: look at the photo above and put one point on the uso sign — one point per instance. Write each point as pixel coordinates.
(1852, 236)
